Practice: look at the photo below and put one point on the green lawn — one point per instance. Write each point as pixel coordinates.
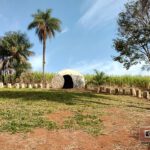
(24, 109)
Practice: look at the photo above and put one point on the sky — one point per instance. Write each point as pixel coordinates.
(86, 40)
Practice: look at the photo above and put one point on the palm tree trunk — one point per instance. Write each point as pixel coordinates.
(44, 51)
(3, 70)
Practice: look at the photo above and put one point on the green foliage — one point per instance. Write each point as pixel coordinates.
(130, 81)
(15, 52)
(44, 24)
(35, 77)
(133, 41)
(89, 123)
(98, 79)
(126, 81)
(24, 118)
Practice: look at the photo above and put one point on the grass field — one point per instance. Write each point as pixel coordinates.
(70, 119)
(24, 109)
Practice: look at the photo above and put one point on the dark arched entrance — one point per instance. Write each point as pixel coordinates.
(68, 82)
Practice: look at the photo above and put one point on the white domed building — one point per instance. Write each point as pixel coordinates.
(68, 79)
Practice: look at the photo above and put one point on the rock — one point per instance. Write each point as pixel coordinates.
(57, 82)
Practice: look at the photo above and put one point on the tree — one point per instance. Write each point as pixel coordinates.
(98, 79)
(14, 52)
(133, 41)
(145, 4)
(20, 68)
(45, 27)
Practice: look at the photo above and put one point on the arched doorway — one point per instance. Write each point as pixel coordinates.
(68, 83)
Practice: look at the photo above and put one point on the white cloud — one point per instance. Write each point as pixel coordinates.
(36, 62)
(109, 67)
(14, 26)
(101, 12)
(10, 23)
(66, 29)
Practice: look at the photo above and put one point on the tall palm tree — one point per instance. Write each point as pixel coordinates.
(45, 26)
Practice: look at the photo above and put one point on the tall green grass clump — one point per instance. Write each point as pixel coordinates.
(129, 81)
(34, 77)
(125, 81)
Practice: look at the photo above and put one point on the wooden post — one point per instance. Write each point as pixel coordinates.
(35, 85)
(41, 85)
(133, 92)
(29, 86)
(1, 85)
(101, 89)
(108, 90)
(146, 94)
(9, 85)
(17, 86)
(124, 91)
(98, 89)
(139, 93)
(47, 86)
(22, 85)
(117, 91)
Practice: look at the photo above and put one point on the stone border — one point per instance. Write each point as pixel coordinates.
(102, 89)
(122, 91)
(23, 85)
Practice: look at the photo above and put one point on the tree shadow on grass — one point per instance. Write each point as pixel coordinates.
(138, 107)
(63, 96)
(69, 98)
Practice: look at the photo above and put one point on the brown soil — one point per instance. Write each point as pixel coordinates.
(60, 116)
(120, 133)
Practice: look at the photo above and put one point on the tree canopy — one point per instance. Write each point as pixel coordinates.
(133, 41)
(15, 52)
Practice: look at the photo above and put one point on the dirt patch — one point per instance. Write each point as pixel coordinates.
(120, 133)
(60, 116)
(46, 140)
(121, 129)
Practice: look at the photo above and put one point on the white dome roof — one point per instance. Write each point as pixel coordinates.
(69, 72)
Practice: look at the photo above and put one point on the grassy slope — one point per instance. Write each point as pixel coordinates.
(24, 109)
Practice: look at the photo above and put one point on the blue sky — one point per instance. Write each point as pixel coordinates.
(85, 43)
